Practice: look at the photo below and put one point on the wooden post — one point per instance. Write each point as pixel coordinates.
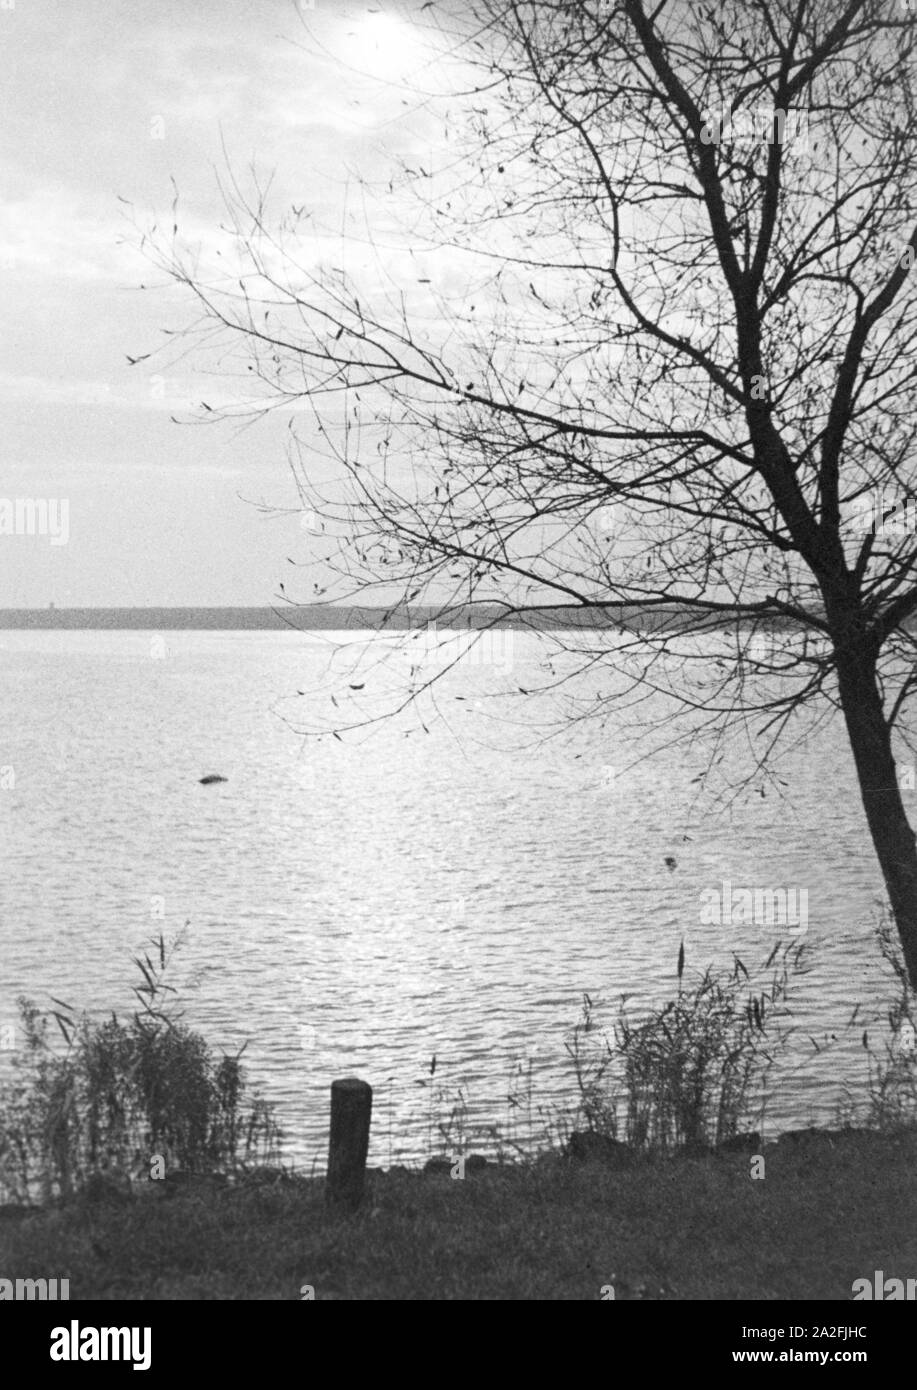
(348, 1142)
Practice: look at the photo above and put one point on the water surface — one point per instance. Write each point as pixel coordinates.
(361, 906)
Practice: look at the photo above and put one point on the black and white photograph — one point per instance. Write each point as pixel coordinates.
(458, 668)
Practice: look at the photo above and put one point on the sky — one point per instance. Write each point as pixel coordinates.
(102, 106)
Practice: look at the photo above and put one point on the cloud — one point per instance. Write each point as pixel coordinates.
(100, 101)
(53, 232)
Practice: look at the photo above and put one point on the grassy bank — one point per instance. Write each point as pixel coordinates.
(134, 1163)
(828, 1210)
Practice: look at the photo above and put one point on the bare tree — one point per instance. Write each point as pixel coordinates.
(683, 235)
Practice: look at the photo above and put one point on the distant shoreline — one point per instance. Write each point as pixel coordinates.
(316, 617)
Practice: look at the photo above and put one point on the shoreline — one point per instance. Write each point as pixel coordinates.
(826, 1209)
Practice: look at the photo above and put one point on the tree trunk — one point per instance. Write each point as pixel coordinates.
(892, 836)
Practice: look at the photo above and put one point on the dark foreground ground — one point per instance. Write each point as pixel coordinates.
(829, 1210)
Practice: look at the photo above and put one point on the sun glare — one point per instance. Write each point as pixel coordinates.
(384, 46)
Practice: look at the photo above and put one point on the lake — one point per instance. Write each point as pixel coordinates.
(365, 905)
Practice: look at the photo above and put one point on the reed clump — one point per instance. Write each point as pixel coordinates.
(115, 1098)
(693, 1073)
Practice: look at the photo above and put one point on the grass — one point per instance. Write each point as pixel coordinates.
(653, 1209)
(828, 1211)
(124, 1096)
(694, 1072)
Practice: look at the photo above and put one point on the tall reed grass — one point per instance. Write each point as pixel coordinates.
(694, 1071)
(113, 1097)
